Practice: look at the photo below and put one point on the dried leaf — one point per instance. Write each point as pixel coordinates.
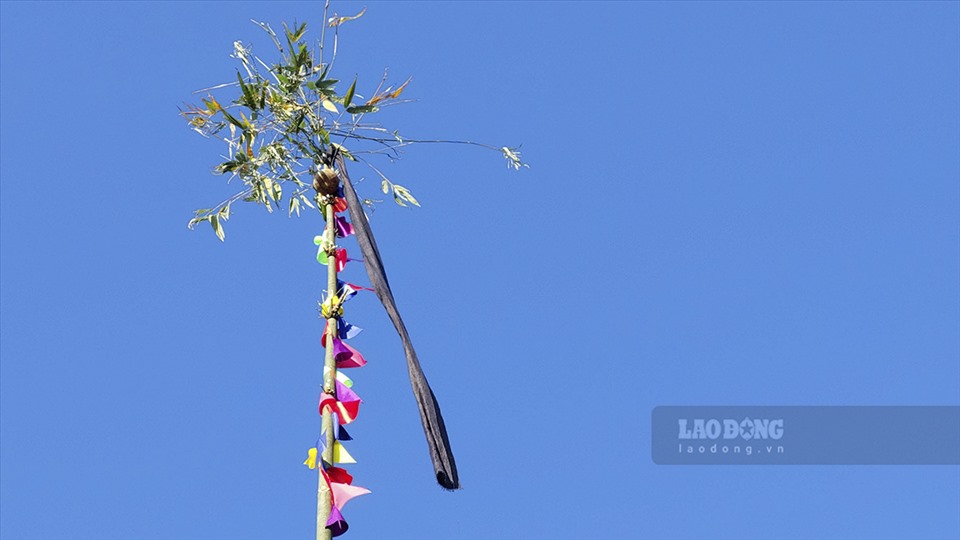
(513, 158)
(396, 93)
(337, 21)
(389, 93)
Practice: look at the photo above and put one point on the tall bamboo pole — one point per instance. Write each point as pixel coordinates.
(324, 496)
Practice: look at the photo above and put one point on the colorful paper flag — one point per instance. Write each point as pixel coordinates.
(346, 411)
(340, 454)
(311, 460)
(341, 257)
(344, 228)
(342, 493)
(336, 474)
(345, 330)
(336, 523)
(346, 356)
(349, 290)
(340, 377)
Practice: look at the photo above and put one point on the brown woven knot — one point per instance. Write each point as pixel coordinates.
(326, 181)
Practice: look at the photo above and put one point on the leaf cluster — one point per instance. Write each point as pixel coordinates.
(279, 124)
(283, 119)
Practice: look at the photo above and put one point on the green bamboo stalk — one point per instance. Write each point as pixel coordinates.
(324, 497)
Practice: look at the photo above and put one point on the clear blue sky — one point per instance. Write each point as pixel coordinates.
(732, 204)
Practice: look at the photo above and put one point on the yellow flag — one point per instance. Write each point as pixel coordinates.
(311, 458)
(340, 454)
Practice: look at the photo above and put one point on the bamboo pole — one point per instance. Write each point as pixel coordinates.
(324, 496)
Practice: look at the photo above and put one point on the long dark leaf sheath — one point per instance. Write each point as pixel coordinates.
(443, 462)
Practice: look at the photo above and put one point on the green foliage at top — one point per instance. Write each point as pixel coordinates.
(284, 118)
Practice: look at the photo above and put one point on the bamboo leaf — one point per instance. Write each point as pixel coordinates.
(404, 193)
(360, 109)
(277, 192)
(212, 104)
(298, 35)
(328, 105)
(193, 222)
(294, 207)
(230, 118)
(349, 96)
(248, 97)
(343, 151)
(323, 73)
(293, 36)
(217, 228)
(225, 167)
